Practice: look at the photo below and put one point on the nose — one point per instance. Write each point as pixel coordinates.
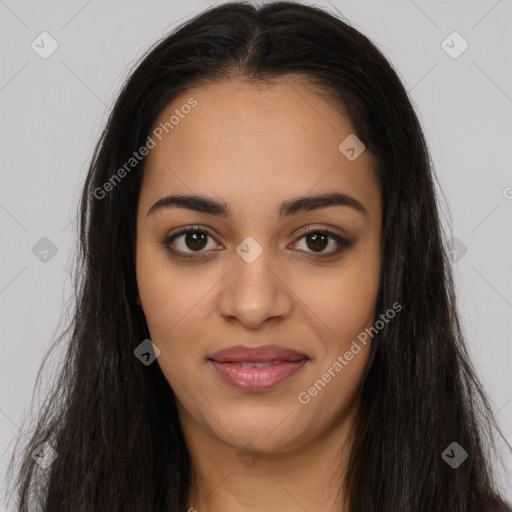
(255, 291)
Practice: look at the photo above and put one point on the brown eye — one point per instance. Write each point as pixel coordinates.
(195, 240)
(187, 242)
(318, 240)
(191, 242)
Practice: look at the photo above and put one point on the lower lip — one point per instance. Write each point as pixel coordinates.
(257, 379)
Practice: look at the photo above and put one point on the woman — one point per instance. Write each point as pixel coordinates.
(265, 317)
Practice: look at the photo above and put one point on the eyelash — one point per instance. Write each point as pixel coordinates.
(342, 242)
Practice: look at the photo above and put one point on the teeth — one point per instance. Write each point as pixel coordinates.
(263, 365)
(256, 365)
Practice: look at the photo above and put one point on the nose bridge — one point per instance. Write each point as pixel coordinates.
(253, 291)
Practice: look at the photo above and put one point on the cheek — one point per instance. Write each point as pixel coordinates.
(345, 299)
(165, 308)
(164, 294)
(176, 304)
(347, 308)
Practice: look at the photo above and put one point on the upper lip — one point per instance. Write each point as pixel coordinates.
(259, 354)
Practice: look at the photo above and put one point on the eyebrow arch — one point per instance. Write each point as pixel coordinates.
(290, 207)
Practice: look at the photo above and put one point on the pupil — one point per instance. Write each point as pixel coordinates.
(194, 239)
(318, 244)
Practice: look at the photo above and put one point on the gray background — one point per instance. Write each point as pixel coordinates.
(53, 110)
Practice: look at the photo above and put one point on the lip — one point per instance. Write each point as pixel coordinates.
(285, 364)
(262, 354)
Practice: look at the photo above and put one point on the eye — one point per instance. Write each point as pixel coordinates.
(319, 239)
(194, 240)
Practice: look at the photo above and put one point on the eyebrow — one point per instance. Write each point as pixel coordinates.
(290, 207)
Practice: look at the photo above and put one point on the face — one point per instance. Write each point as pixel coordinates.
(252, 275)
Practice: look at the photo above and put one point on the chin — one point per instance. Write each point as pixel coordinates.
(269, 435)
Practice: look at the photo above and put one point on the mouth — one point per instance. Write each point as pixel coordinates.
(257, 368)
(253, 364)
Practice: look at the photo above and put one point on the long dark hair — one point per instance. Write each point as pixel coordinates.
(113, 421)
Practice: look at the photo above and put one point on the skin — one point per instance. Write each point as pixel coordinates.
(255, 145)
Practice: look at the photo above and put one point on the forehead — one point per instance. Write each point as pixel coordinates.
(256, 143)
